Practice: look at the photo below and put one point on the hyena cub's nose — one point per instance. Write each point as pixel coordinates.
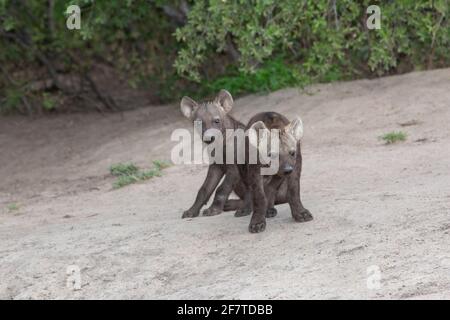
(288, 169)
(208, 138)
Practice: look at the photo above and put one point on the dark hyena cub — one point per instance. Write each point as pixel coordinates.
(214, 115)
(284, 186)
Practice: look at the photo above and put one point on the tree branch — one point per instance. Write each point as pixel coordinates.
(22, 97)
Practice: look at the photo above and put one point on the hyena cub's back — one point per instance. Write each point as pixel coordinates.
(272, 120)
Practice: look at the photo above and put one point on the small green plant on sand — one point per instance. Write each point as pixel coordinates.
(13, 207)
(123, 169)
(161, 164)
(128, 173)
(393, 137)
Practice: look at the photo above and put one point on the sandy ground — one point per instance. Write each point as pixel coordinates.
(376, 207)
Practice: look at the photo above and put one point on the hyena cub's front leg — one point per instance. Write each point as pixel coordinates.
(258, 220)
(215, 173)
(298, 211)
(271, 190)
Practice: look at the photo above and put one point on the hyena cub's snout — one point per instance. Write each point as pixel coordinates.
(287, 169)
(208, 137)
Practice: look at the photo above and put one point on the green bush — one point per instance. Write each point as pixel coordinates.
(179, 46)
(327, 39)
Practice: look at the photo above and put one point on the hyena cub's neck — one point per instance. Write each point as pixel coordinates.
(232, 127)
(232, 123)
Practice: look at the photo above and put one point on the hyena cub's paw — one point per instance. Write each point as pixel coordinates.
(271, 212)
(189, 214)
(211, 212)
(242, 212)
(303, 216)
(257, 227)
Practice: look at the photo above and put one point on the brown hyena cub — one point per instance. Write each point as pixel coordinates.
(214, 115)
(284, 186)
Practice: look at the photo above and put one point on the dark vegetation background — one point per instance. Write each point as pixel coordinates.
(135, 52)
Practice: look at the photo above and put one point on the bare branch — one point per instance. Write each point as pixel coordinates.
(231, 49)
(177, 14)
(51, 18)
(22, 97)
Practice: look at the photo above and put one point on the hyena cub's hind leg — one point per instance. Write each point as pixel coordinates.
(243, 206)
(221, 196)
(223, 192)
(246, 207)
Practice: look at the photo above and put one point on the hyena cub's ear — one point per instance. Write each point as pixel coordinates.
(225, 99)
(256, 133)
(295, 128)
(187, 107)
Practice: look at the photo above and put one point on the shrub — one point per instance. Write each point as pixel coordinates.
(325, 38)
(180, 46)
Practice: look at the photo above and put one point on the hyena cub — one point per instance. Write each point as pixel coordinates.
(214, 115)
(284, 186)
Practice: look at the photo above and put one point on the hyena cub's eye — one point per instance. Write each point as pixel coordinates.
(292, 153)
(272, 155)
(217, 120)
